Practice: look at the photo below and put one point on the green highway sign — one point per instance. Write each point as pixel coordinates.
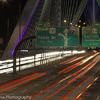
(91, 36)
(56, 37)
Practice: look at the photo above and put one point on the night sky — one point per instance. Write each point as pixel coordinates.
(88, 12)
(9, 14)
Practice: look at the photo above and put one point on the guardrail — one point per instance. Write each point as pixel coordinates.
(6, 66)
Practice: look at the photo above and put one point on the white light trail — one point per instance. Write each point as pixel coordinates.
(29, 61)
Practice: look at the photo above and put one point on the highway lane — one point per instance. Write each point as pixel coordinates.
(51, 95)
(86, 95)
(44, 87)
(56, 93)
(91, 95)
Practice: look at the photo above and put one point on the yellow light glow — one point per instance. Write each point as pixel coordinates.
(84, 23)
(71, 23)
(65, 20)
(79, 26)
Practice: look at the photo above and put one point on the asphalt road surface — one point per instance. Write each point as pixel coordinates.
(56, 83)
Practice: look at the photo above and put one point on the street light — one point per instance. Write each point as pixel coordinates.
(80, 25)
(84, 23)
(71, 23)
(65, 21)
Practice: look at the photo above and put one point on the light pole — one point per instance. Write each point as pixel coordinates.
(65, 22)
(80, 35)
(80, 25)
